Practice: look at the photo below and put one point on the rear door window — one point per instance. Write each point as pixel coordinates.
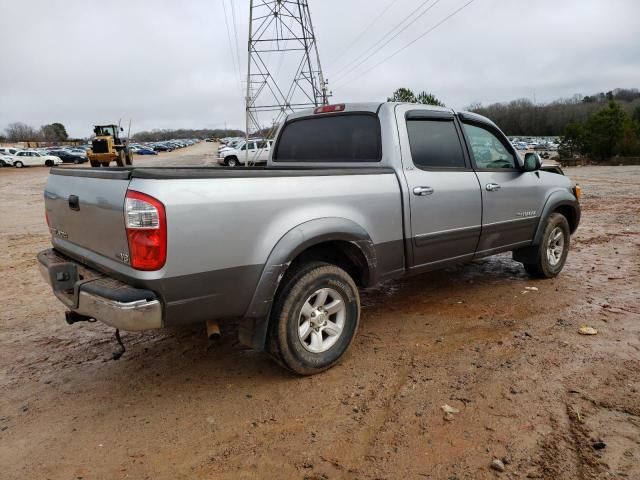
(435, 144)
(333, 138)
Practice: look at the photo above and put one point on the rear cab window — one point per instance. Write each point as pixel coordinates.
(347, 137)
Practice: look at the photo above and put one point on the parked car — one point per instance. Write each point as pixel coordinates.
(78, 152)
(68, 157)
(6, 160)
(258, 153)
(160, 147)
(146, 151)
(352, 195)
(9, 150)
(31, 158)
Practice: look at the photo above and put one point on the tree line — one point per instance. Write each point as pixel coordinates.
(601, 125)
(608, 132)
(21, 132)
(523, 117)
(56, 132)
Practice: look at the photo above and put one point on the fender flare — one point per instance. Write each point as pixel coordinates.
(557, 199)
(253, 327)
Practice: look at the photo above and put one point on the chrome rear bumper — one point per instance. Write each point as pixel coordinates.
(98, 296)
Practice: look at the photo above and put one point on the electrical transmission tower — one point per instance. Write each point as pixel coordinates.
(284, 73)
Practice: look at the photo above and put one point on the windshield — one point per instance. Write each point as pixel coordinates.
(105, 130)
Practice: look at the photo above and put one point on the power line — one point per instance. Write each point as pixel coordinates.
(455, 12)
(234, 58)
(364, 31)
(235, 31)
(398, 29)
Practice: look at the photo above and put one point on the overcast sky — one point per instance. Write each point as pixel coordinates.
(167, 63)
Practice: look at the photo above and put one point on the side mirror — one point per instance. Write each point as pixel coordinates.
(532, 162)
(121, 129)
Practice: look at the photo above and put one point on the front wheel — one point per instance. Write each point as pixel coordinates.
(232, 162)
(552, 252)
(314, 319)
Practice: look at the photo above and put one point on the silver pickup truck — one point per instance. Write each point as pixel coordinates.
(353, 195)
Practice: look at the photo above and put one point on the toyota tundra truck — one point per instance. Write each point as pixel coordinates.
(353, 195)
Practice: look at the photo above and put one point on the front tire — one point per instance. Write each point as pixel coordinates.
(232, 162)
(552, 252)
(314, 319)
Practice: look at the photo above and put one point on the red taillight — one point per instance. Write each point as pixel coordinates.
(146, 225)
(330, 108)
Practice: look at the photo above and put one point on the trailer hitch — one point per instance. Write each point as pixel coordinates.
(117, 354)
(72, 317)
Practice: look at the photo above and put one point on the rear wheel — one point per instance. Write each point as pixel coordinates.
(314, 319)
(553, 249)
(94, 163)
(18, 164)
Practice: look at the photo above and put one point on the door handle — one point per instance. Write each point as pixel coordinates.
(422, 191)
(492, 187)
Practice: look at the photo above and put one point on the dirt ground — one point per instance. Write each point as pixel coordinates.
(529, 389)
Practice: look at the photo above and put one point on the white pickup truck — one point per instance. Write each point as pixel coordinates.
(258, 153)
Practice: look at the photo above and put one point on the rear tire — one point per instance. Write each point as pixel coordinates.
(94, 163)
(314, 319)
(553, 249)
(18, 164)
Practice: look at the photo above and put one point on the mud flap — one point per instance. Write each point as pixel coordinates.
(526, 254)
(252, 332)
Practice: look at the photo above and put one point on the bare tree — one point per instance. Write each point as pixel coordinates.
(21, 132)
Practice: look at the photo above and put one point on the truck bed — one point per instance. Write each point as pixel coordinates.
(223, 225)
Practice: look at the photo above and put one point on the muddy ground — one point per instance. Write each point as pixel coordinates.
(529, 389)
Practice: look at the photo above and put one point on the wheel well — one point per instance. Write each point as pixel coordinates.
(341, 253)
(569, 213)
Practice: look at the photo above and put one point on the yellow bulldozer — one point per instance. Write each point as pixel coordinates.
(108, 146)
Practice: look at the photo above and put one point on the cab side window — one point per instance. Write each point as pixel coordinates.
(434, 144)
(489, 151)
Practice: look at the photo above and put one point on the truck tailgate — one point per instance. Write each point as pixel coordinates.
(84, 209)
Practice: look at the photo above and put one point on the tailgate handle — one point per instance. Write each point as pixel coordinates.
(74, 202)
